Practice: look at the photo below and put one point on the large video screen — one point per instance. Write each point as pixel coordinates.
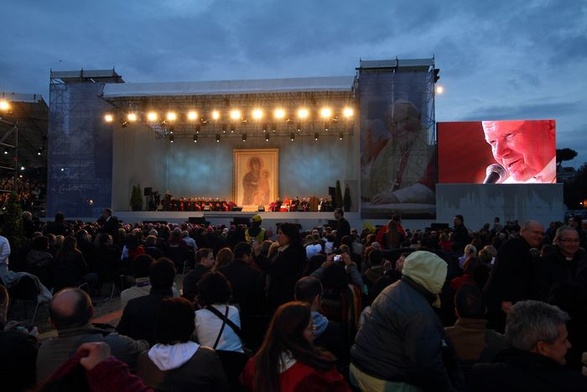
(497, 152)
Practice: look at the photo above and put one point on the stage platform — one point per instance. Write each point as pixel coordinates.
(307, 220)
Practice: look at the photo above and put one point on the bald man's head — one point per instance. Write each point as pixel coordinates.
(70, 308)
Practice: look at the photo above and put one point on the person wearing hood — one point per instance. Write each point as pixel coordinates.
(401, 345)
(175, 363)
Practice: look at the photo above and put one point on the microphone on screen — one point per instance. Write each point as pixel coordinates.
(494, 174)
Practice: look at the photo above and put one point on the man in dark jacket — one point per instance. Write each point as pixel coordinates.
(512, 278)
(537, 335)
(401, 343)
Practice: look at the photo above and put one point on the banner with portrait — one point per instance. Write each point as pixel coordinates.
(256, 177)
(398, 151)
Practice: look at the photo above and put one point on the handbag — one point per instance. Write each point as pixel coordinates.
(231, 324)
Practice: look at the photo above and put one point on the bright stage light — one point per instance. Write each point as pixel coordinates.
(244, 137)
(108, 118)
(303, 113)
(195, 138)
(326, 113)
(171, 116)
(439, 89)
(215, 115)
(152, 116)
(316, 136)
(132, 117)
(279, 113)
(192, 115)
(292, 136)
(348, 112)
(4, 105)
(217, 138)
(257, 114)
(235, 114)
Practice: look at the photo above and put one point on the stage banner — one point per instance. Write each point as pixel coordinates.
(398, 150)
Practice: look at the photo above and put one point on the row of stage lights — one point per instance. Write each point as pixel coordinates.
(292, 137)
(235, 116)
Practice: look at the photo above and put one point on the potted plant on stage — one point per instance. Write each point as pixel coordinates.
(136, 198)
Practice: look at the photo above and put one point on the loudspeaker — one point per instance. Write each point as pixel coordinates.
(147, 191)
(241, 221)
(237, 208)
(261, 209)
(197, 220)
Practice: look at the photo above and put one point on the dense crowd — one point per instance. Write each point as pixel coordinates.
(328, 308)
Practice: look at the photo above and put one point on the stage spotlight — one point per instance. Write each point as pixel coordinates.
(244, 137)
(4, 105)
(198, 128)
(279, 113)
(108, 118)
(326, 126)
(171, 116)
(257, 114)
(192, 115)
(171, 138)
(152, 116)
(326, 113)
(5, 151)
(232, 128)
(265, 127)
(316, 136)
(348, 112)
(215, 115)
(195, 138)
(132, 117)
(303, 113)
(340, 136)
(40, 151)
(267, 137)
(217, 138)
(273, 127)
(235, 115)
(299, 126)
(439, 89)
(223, 128)
(292, 136)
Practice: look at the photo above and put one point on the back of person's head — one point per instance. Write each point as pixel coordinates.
(224, 257)
(532, 321)
(242, 249)
(40, 243)
(162, 273)
(286, 333)
(175, 322)
(292, 231)
(469, 302)
(213, 288)
(470, 250)
(151, 240)
(335, 277)
(141, 265)
(307, 288)
(70, 308)
(59, 217)
(201, 254)
(375, 257)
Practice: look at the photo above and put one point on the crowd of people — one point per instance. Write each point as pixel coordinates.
(328, 308)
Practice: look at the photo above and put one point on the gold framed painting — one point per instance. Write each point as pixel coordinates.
(255, 177)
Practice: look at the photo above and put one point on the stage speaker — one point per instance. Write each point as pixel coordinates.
(241, 221)
(147, 191)
(197, 220)
(206, 208)
(261, 209)
(439, 226)
(237, 208)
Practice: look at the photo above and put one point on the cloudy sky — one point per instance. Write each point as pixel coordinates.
(499, 59)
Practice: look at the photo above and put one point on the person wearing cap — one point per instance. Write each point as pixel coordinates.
(402, 345)
(256, 232)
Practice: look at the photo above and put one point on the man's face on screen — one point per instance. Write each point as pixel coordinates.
(523, 148)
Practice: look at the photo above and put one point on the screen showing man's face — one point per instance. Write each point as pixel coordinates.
(523, 148)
